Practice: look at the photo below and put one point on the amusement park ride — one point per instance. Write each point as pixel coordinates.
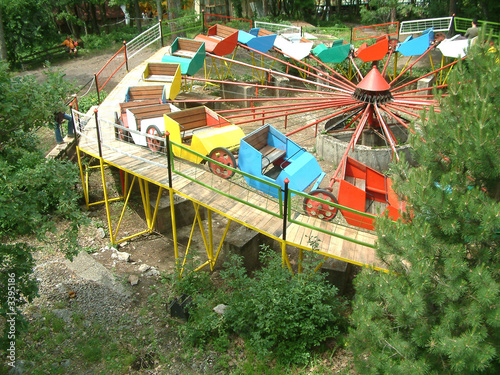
(370, 104)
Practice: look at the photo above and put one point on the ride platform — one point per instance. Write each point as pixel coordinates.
(282, 219)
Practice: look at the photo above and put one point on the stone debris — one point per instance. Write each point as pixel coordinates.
(133, 280)
(63, 314)
(152, 272)
(62, 288)
(101, 233)
(121, 255)
(88, 268)
(220, 309)
(143, 268)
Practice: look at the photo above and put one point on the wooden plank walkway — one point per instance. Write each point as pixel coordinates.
(141, 162)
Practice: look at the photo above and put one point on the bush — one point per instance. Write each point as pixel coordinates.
(86, 102)
(278, 314)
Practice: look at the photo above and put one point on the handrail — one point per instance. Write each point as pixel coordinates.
(462, 24)
(294, 198)
(236, 171)
(303, 195)
(99, 89)
(386, 26)
(225, 19)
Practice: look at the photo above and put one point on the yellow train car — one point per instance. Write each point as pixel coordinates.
(202, 130)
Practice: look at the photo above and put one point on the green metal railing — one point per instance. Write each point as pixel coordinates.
(344, 33)
(291, 204)
(190, 25)
(491, 28)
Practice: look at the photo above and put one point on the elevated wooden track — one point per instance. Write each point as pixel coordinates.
(281, 219)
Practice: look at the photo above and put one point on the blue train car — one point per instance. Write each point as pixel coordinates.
(270, 155)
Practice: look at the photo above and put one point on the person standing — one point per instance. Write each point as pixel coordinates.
(59, 117)
(70, 45)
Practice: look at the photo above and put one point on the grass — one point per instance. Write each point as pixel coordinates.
(52, 342)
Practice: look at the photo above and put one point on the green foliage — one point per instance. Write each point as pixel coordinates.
(439, 311)
(238, 8)
(28, 26)
(88, 101)
(383, 11)
(35, 193)
(110, 40)
(52, 343)
(26, 104)
(280, 314)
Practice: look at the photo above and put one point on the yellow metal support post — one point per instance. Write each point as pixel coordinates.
(85, 186)
(174, 225)
(106, 201)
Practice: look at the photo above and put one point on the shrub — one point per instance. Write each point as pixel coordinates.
(86, 102)
(280, 314)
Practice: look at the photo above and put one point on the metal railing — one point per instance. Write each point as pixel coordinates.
(375, 31)
(462, 24)
(112, 66)
(188, 24)
(288, 206)
(143, 40)
(278, 28)
(417, 26)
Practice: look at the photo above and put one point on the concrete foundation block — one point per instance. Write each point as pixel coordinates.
(333, 148)
(280, 81)
(244, 242)
(426, 82)
(232, 91)
(184, 213)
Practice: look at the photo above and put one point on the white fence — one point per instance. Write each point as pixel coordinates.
(277, 28)
(417, 26)
(143, 40)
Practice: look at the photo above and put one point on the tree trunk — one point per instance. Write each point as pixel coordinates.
(73, 28)
(484, 7)
(93, 19)
(393, 14)
(453, 8)
(159, 10)
(3, 46)
(339, 7)
(138, 16)
(173, 8)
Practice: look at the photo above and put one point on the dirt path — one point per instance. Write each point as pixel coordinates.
(81, 69)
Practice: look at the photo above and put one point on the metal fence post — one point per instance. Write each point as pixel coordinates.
(285, 207)
(72, 117)
(203, 20)
(125, 52)
(169, 162)
(97, 88)
(98, 133)
(161, 34)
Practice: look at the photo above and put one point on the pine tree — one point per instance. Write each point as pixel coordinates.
(438, 310)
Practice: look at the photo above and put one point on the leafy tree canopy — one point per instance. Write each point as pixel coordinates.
(35, 193)
(26, 104)
(28, 24)
(438, 311)
(381, 11)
